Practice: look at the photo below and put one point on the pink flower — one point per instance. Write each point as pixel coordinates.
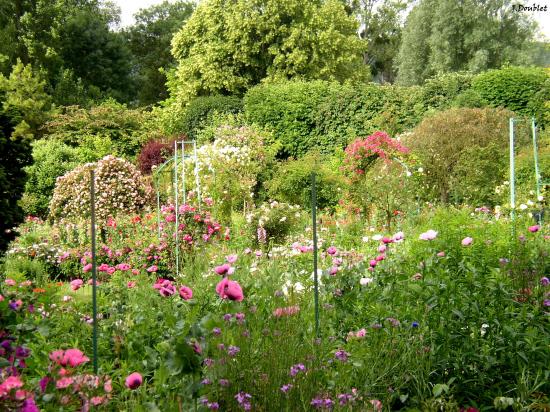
(534, 229)
(361, 333)
(387, 240)
(135, 271)
(1, 298)
(441, 254)
(152, 269)
(11, 382)
(229, 289)
(104, 267)
(131, 284)
(64, 383)
(379, 258)
(123, 266)
(429, 235)
(111, 270)
(97, 400)
(185, 292)
(382, 248)
(373, 263)
(76, 284)
(376, 404)
(333, 270)
(134, 381)
(73, 358)
(331, 250)
(224, 269)
(87, 268)
(287, 311)
(467, 241)
(10, 282)
(231, 258)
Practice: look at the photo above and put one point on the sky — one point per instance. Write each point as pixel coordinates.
(129, 7)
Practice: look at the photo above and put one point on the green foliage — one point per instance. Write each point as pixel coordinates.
(454, 148)
(51, 159)
(291, 182)
(201, 111)
(514, 88)
(444, 36)
(25, 100)
(149, 39)
(226, 47)
(272, 222)
(469, 98)
(438, 92)
(110, 121)
(289, 110)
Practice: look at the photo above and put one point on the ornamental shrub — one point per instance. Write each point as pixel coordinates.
(511, 87)
(288, 109)
(460, 150)
(272, 222)
(291, 182)
(199, 112)
(51, 159)
(120, 188)
(154, 153)
(439, 91)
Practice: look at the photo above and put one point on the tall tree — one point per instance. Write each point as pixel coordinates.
(149, 39)
(446, 35)
(229, 45)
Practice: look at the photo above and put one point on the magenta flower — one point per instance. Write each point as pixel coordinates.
(152, 269)
(185, 292)
(382, 248)
(429, 235)
(544, 281)
(134, 381)
(286, 388)
(331, 250)
(229, 289)
(224, 269)
(333, 271)
(441, 254)
(64, 382)
(341, 355)
(373, 263)
(533, 229)
(87, 268)
(467, 241)
(231, 258)
(131, 284)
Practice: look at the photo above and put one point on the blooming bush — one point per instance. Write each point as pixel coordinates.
(272, 222)
(119, 187)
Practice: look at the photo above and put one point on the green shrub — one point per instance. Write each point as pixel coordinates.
(459, 148)
(272, 222)
(51, 158)
(288, 109)
(292, 181)
(511, 87)
(469, 98)
(199, 112)
(439, 91)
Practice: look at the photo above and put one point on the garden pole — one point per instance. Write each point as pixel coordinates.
(94, 270)
(536, 155)
(176, 203)
(315, 276)
(158, 204)
(512, 173)
(197, 181)
(183, 172)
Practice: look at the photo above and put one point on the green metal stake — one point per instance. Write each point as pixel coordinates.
(512, 172)
(94, 271)
(315, 276)
(535, 154)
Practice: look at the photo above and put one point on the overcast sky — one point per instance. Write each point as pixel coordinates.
(129, 7)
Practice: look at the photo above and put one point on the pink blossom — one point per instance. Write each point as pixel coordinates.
(152, 269)
(10, 282)
(103, 267)
(387, 240)
(429, 235)
(467, 241)
(286, 311)
(111, 270)
(87, 268)
(333, 270)
(135, 271)
(441, 254)
(534, 228)
(231, 259)
(131, 284)
(382, 248)
(332, 251)
(185, 292)
(373, 263)
(64, 383)
(229, 289)
(134, 381)
(76, 284)
(379, 258)
(123, 266)
(224, 269)
(376, 404)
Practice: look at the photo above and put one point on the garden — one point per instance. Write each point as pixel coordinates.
(270, 242)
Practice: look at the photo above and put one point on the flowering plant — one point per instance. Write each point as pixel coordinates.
(272, 222)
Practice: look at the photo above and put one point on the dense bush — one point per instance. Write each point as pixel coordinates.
(15, 154)
(291, 182)
(119, 189)
(439, 91)
(288, 109)
(51, 159)
(272, 222)
(154, 153)
(127, 129)
(511, 87)
(199, 112)
(463, 153)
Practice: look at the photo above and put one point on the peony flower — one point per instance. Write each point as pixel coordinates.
(185, 292)
(134, 381)
(229, 289)
(429, 235)
(76, 284)
(87, 268)
(332, 251)
(467, 241)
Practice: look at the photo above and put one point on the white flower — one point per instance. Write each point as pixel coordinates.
(420, 169)
(365, 239)
(523, 206)
(377, 237)
(365, 281)
(483, 329)
(540, 198)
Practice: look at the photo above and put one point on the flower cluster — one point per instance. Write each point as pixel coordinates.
(272, 222)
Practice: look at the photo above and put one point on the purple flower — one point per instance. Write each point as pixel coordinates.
(21, 352)
(206, 381)
(227, 317)
(544, 281)
(344, 398)
(233, 350)
(224, 382)
(243, 399)
(341, 355)
(294, 369)
(216, 331)
(44, 383)
(546, 302)
(214, 406)
(208, 362)
(317, 403)
(286, 388)
(239, 317)
(29, 406)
